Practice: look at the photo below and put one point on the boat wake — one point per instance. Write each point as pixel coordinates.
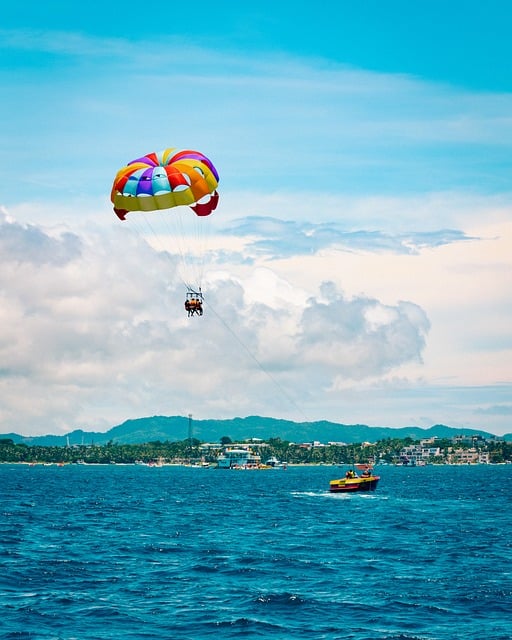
(309, 494)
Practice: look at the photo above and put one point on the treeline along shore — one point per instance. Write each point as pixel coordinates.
(457, 450)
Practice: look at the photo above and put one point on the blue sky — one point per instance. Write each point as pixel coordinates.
(358, 267)
(463, 43)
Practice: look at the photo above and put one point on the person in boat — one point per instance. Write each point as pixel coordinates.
(350, 474)
(366, 473)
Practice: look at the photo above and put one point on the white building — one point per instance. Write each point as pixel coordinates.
(238, 459)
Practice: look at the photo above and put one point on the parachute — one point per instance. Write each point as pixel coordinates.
(154, 188)
(164, 180)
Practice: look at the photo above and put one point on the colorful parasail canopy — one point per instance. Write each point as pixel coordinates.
(164, 180)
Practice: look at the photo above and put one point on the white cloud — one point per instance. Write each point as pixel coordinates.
(360, 337)
(90, 317)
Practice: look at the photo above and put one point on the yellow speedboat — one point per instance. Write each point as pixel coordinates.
(352, 482)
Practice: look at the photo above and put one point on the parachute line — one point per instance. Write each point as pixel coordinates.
(255, 359)
(196, 288)
(189, 273)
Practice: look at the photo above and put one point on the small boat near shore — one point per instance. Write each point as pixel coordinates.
(274, 463)
(238, 459)
(353, 483)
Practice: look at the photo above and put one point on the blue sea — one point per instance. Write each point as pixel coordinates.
(134, 552)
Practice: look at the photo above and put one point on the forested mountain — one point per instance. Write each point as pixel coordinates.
(174, 428)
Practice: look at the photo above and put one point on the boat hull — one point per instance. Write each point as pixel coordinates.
(354, 485)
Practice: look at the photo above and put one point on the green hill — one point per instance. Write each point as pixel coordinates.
(174, 428)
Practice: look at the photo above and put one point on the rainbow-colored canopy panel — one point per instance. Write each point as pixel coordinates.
(164, 180)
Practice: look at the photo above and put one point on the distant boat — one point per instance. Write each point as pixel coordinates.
(353, 483)
(238, 459)
(274, 463)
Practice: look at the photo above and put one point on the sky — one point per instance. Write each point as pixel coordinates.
(358, 268)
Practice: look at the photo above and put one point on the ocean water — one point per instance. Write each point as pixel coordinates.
(93, 552)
